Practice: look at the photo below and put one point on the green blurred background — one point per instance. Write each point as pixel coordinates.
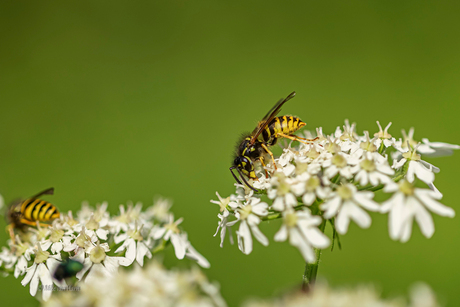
(117, 101)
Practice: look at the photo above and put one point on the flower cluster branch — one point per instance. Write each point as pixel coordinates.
(96, 239)
(334, 178)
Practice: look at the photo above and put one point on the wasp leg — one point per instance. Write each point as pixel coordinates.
(263, 164)
(308, 140)
(10, 230)
(33, 223)
(270, 153)
(296, 138)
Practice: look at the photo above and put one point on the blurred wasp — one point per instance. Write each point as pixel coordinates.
(254, 146)
(22, 214)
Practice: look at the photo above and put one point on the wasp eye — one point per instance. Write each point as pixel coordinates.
(237, 161)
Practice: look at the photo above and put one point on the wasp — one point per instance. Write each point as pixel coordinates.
(22, 214)
(256, 145)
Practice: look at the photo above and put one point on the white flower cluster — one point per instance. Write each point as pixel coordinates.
(334, 178)
(99, 241)
(152, 285)
(421, 295)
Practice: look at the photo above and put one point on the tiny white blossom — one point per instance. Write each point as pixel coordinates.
(347, 204)
(408, 203)
(302, 229)
(40, 272)
(249, 217)
(417, 167)
(384, 136)
(371, 169)
(281, 193)
(170, 231)
(134, 244)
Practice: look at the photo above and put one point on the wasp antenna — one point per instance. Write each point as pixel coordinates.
(236, 178)
(245, 181)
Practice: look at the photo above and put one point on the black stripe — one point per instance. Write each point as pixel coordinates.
(272, 128)
(37, 209)
(28, 202)
(43, 209)
(49, 208)
(54, 210)
(284, 123)
(265, 135)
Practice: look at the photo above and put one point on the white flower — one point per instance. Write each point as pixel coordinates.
(159, 210)
(55, 241)
(224, 223)
(384, 136)
(40, 272)
(84, 240)
(408, 203)
(338, 164)
(417, 167)
(302, 229)
(430, 149)
(98, 262)
(249, 217)
(171, 232)
(437, 149)
(373, 169)
(347, 203)
(281, 193)
(134, 244)
(310, 187)
(152, 285)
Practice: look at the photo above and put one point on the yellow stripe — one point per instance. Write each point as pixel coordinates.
(285, 125)
(296, 124)
(268, 132)
(48, 215)
(41, 216)
(278, 125)
(55, 215)
(291, 122)
(37, 209)
(24, 203)
(28, 212)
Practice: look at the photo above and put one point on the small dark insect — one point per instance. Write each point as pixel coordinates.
(67, 268)
(255, 146)
(22, 214)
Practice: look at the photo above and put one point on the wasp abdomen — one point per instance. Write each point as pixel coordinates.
(281, 124)
(39, 210)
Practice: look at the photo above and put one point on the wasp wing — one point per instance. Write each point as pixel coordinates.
(269, 117)
(49, 191)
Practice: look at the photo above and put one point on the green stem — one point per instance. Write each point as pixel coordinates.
(311, 269)
(160, 247)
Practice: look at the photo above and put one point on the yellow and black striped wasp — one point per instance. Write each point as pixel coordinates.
(22, 214)
(254, 146)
